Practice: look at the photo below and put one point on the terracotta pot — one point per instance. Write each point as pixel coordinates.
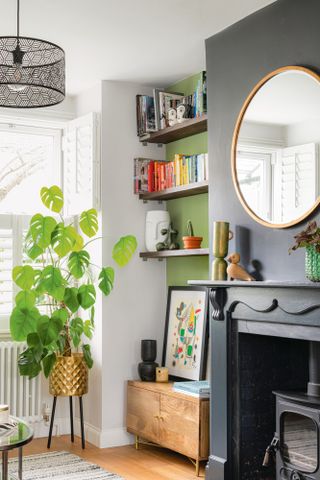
(69, 376)
(192, 242)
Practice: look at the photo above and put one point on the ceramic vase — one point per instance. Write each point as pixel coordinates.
(312, 264)
(147, 368)
(221, 237)
(156, 220)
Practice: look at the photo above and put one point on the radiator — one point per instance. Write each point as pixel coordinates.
(21, 394)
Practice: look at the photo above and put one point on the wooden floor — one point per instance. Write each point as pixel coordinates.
(148, 463)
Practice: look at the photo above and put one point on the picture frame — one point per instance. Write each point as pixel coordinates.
(186, 333)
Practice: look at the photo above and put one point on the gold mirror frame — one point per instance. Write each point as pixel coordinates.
(235, 143)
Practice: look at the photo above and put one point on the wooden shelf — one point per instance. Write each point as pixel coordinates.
(197, 252)
(180, 130)
(177, 192)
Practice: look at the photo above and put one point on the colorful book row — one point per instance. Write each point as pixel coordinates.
(154, 176)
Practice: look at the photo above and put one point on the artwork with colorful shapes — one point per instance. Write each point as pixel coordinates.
(186, 332)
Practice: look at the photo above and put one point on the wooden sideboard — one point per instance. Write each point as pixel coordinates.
(169, 419)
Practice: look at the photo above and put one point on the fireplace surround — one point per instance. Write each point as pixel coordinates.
(260, 334)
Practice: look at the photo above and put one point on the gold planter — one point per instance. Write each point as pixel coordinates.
(69, 377)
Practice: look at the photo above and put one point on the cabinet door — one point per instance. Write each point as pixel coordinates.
(143, 412)
(179, 425)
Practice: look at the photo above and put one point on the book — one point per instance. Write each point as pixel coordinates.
(198, 387)
(145, 113)
(154, 175)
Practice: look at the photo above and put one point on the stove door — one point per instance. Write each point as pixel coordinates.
(299, 438)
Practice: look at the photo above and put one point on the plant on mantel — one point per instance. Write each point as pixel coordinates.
(310, 240)
(54, 310)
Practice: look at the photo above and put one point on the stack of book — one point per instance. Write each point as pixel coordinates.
(154, 176)
(199, 389)
(152, 112)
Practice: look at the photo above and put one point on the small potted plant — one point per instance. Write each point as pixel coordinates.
(190, 241)
(54, 309)
(310, 240)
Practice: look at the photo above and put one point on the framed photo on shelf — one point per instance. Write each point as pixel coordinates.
(186, 333)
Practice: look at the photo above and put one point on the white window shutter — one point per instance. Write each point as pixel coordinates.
(297, 185)
(81, 153)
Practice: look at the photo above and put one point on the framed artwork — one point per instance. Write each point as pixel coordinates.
(186, 333)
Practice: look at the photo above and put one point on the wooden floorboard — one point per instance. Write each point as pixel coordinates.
(148, 463)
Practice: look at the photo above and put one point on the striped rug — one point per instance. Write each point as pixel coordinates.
(59, 466)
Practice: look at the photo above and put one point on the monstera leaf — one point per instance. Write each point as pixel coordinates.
(48, 329)
(28, 364)
(87, 355)
(71, 299)
(22, 322)
(52, 282)
(124, 249)
(52, 198)
(87, 295)
(31, 248)
(63, 239)
(106, 278)
(23, 276)
(25, 299)
(89, 222)
(41, 229)
(48, 363)
(78, 263)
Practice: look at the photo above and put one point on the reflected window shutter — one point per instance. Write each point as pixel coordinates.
(297, 179)
(81, 154)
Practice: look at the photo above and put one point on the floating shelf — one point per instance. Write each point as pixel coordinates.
(180, 130)
(177, 192)
(197, 252)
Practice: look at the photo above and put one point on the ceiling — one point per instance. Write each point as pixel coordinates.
(150, 41)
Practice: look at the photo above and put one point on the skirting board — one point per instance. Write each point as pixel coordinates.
(114, 437)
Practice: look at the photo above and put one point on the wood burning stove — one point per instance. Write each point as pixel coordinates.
(296, 442)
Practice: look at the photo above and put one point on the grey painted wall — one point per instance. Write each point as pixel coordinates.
(284, 33)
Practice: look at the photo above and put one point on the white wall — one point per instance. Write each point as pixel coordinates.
(136, 308)
(261, 133)
(302, 133)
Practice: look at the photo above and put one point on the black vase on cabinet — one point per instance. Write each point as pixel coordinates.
(147, 368)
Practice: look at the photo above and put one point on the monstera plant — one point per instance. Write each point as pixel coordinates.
(54, 310)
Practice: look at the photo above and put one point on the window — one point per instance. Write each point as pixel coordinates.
(31, 157)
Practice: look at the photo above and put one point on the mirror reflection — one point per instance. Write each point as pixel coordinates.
(276, 154)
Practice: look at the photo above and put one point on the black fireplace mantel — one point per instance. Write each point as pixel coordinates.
(278, 309)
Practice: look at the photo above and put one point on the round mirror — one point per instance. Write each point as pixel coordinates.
(275, 149)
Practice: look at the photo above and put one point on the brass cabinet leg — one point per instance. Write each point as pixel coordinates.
(136, 442)
(197, 468)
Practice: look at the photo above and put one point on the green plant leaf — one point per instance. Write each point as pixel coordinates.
(23, 276)
(124, 249)
(78, 263)
(106, 278)
(25, 299)
(49, 329)
(41, 229)
(48, 363)
(31, 248)
(61, 314)
(87, 295)
(61, 344)
(76, 330)
(52, 198)
(92, 314)
(22, 322)
(52, 281)
(88, 329)
(71, 299)
(63, 239)
(89, 222)
(28, 365)
(34, 342)
(79, 243)
(87, 355)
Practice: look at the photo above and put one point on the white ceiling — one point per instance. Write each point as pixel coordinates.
(149, 41)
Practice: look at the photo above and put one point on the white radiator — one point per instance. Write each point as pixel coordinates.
(21, 394)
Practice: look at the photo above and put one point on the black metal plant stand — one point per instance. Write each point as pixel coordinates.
(83, 443)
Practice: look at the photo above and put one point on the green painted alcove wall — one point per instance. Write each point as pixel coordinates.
(180, 270)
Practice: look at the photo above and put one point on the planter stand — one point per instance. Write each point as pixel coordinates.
(83, 444)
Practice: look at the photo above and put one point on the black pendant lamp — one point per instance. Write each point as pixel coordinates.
(32, 71)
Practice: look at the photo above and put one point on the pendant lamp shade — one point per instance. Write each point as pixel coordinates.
(32, 72)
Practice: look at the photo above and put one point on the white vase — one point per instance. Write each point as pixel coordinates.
(156, 220)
